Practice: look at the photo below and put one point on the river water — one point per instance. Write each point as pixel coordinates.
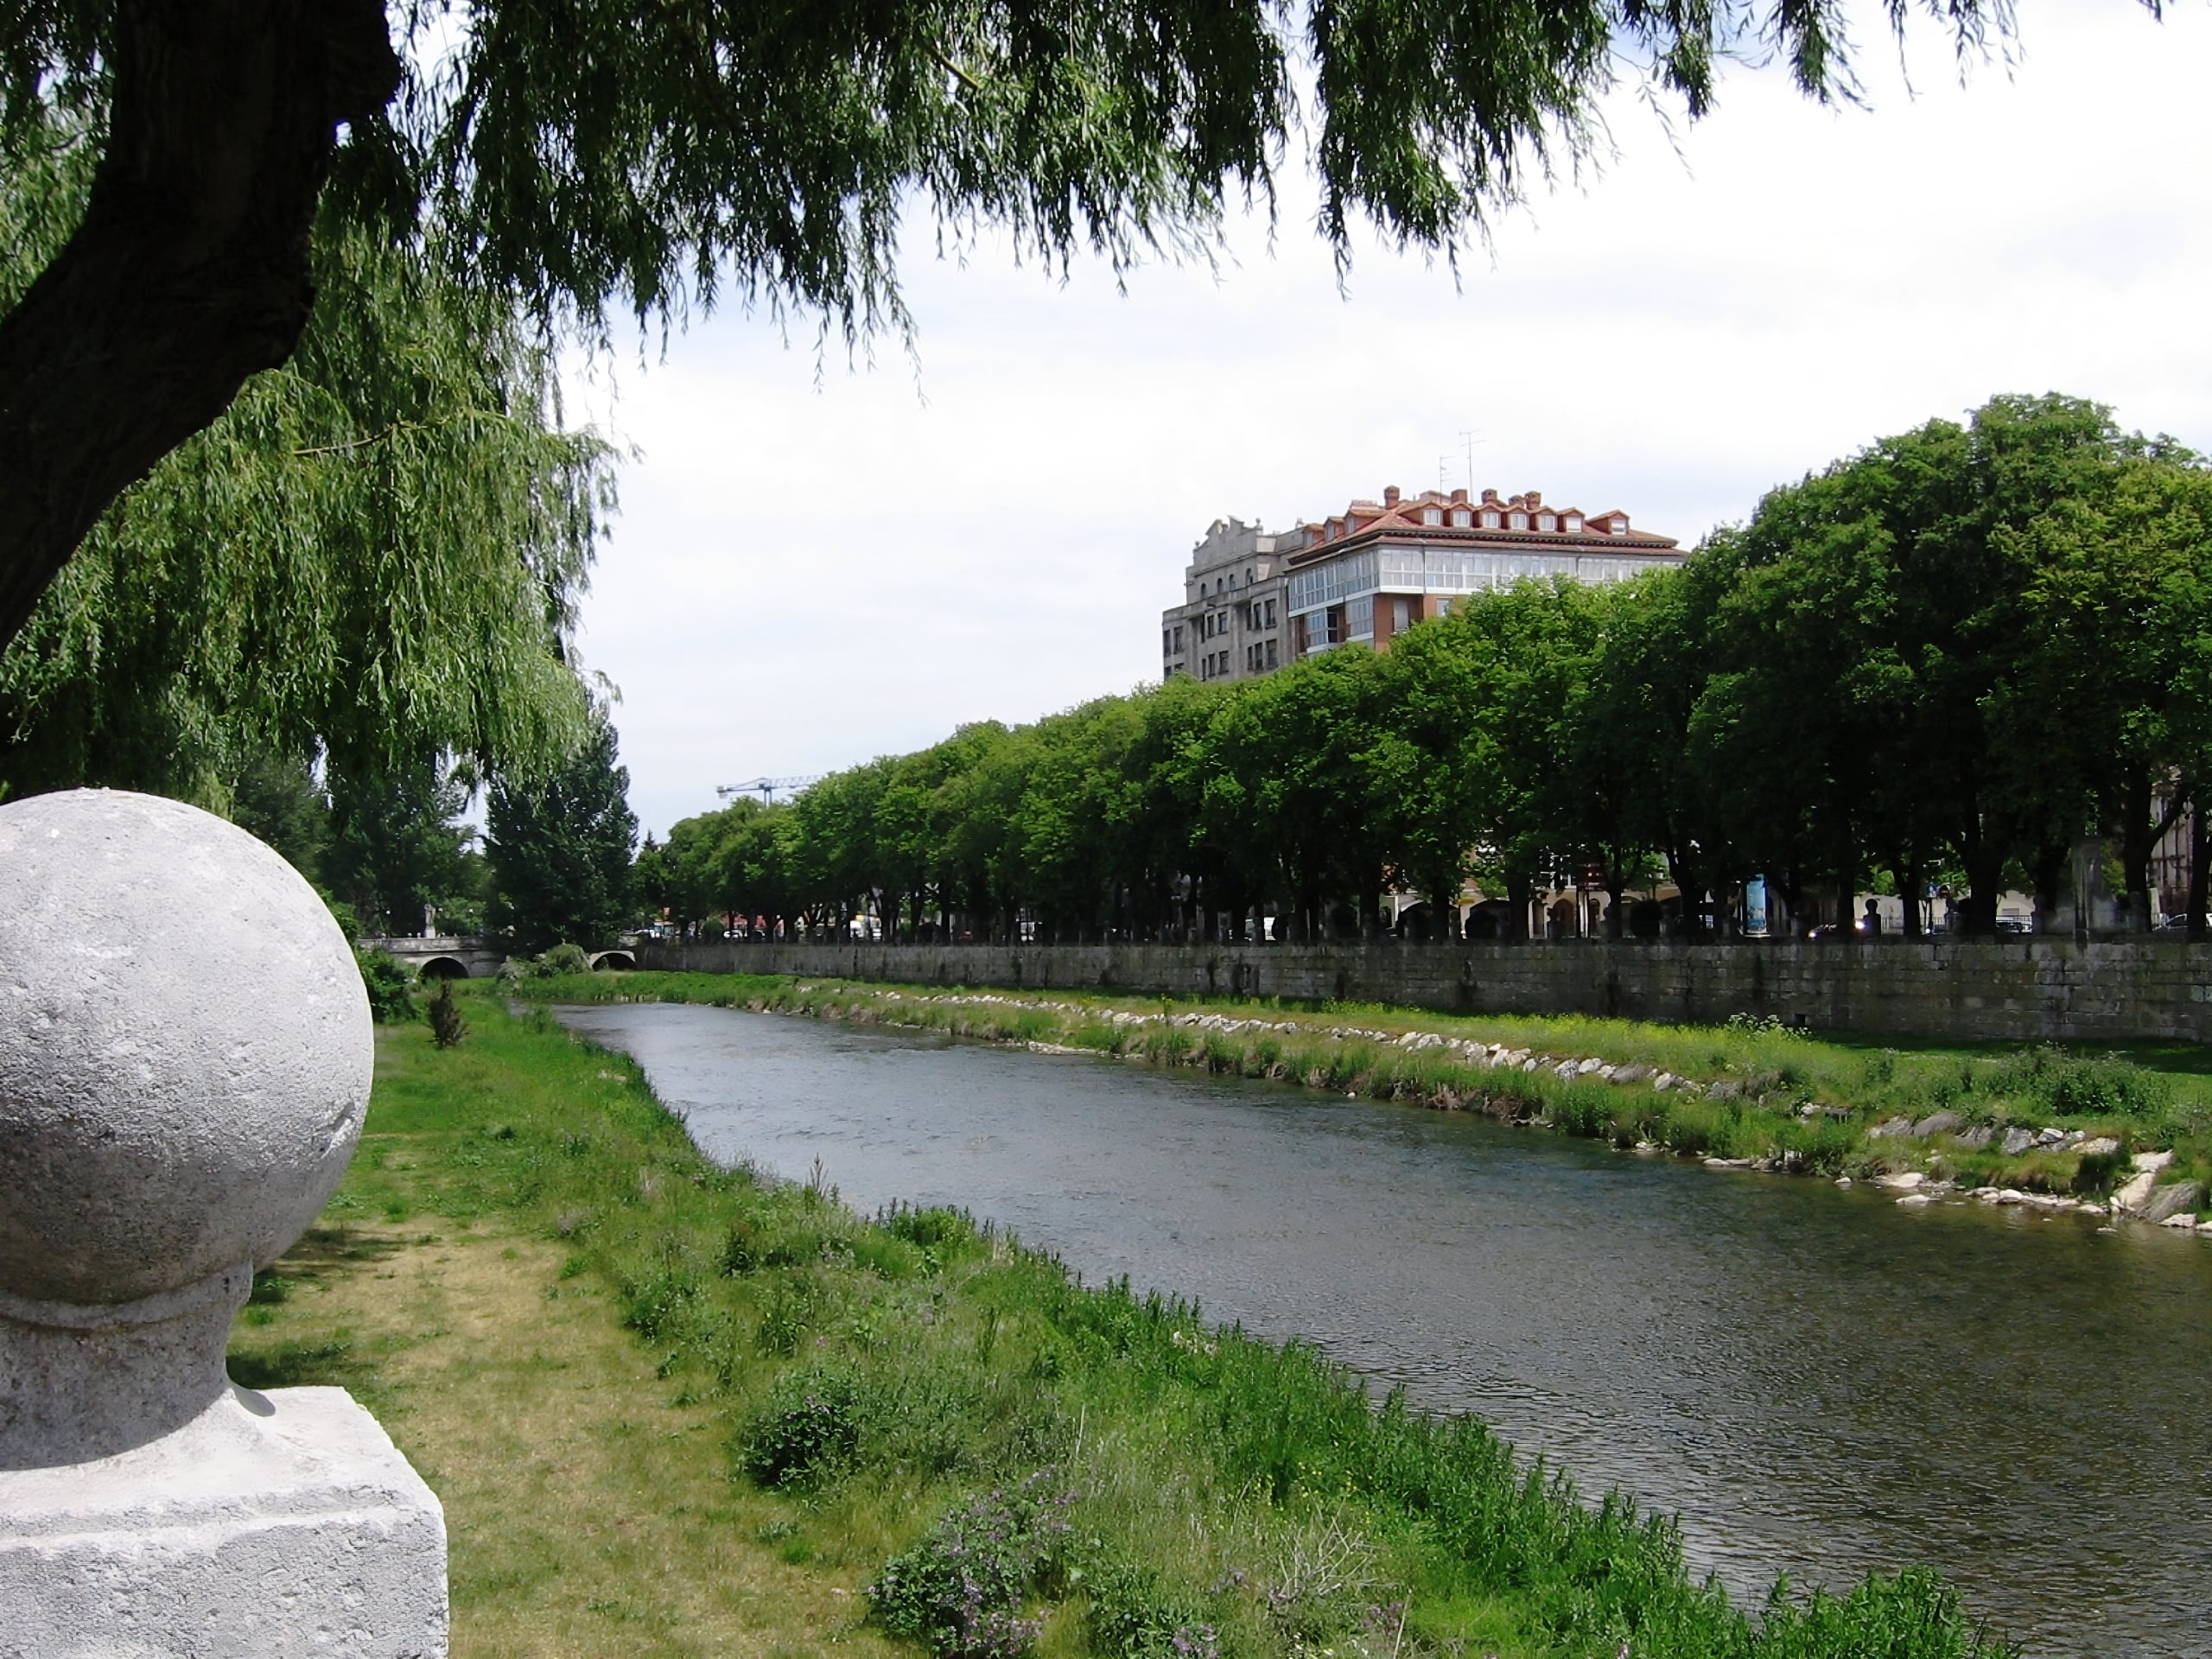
(1813, 1379)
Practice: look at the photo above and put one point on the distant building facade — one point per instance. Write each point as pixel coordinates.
(1254, 601)
(1230, 623)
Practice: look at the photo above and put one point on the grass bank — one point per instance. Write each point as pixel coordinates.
(2062, 1131)
(676, 1408)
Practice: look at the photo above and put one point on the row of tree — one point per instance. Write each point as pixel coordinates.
(1947, 658)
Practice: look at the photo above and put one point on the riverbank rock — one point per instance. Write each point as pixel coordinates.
(1888, 1127)
(1975, 1139)
(1904, 1181)
(2102, 1146)
(2016, 1140)
(1937, 1123)
(2166, 1202)
(1631, 1074)
(2135, 1191)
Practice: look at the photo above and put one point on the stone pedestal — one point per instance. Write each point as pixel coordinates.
(185, 1057)
(270, 1527)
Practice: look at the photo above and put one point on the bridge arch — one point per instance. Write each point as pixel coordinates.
(442, 967)
(621, 961)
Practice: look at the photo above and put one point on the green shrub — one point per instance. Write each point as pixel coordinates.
(939, 1233)
(657, 1302)
(961, 1589)
(1134, 1615)
(564, 959)
(1913, 1613)
(2108, 1087)
(1583, 1108)
(390, 986)
(808, 1429)
(1772, 1025)
(791, 1309)
(446, 1025)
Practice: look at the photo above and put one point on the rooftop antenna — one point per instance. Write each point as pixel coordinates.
(1467, 442)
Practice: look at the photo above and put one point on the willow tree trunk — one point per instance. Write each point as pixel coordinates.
(189, 271)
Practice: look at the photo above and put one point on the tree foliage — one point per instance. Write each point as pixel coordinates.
(372, 558)
(559, 850)
(589, 157)
(1945, 657)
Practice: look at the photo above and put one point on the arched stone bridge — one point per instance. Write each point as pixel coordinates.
(452, 956)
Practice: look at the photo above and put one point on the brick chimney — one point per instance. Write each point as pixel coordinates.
(1459, 498)
(1389, 495)
(1490, 497)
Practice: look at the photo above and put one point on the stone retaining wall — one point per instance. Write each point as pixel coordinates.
(2011, 990)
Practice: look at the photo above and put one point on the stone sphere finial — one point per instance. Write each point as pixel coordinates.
(185, 1057)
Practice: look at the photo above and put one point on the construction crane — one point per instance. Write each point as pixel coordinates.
(766, 788)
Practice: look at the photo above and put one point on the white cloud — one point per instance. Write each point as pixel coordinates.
(805, 575)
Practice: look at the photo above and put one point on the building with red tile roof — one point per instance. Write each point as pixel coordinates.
(1254, 601)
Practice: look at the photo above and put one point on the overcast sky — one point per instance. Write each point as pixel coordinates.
(815, 564)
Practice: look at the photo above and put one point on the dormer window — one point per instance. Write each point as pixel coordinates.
(1517, 521)
(1490, 520)
(1573, 524)
(1432, 515)
(1547, 521)
(1461, 517)
(1619, 526)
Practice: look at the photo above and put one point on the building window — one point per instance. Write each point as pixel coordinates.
(1461, 517)
(1166, 643)
(1545, 521)
(1432, 515)
(1573, 522)
(1619, 526)
(1489, 521)
(1271, 653)
(1517, 521)
(1402, 615)
(1271, 613)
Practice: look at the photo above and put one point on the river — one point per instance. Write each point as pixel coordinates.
(1813, 1379)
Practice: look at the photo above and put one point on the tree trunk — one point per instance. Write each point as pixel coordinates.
(189, 272)
(2200, 843)
(1520, 893)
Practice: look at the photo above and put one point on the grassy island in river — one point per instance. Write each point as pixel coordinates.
(672, 1407)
